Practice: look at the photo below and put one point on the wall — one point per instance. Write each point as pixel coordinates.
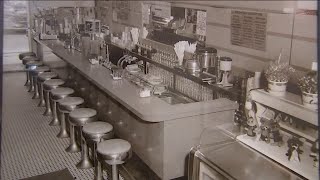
(105, 14)
(288, 27)
(36, 6)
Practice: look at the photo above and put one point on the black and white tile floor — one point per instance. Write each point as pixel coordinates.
(29, 146)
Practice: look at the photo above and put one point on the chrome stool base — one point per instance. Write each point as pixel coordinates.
(36, 94)
(94, 133)
(85, 162)
(27, 83)
(63, 130)
(31, 87)
(63, 133)
(48, 111)
(73, 147)
(54, 122)
(79, 118)
(41, 103)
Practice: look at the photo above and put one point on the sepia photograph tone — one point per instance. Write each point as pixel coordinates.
(159, 90)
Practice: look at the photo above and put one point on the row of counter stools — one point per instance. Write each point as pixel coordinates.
(74, 119)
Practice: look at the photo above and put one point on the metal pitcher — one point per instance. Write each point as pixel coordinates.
(207, 57)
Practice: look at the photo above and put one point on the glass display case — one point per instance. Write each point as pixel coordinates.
(221, 154)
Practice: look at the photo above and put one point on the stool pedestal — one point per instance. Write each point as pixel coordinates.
(63, 129)
(95, 133)
(56, 95)
(80, 117)
(41, 78)
(26, 59)
(65, 106)
(32, 66)
(48, 111)
(73, 147)
(37, 72)
(48, 85)
(27, 83)
(114, 152)
(85, 162)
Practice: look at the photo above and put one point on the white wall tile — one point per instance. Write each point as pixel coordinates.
(280, 23)
(279, 27)
(303, 53)
(305, 25)
(312, 5)
(266, 5)
(219, 15)
(244, 62)
(219, 36)
(51, 4)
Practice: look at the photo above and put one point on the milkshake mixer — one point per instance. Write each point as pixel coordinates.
(225, 68)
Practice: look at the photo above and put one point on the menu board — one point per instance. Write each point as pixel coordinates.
(145, 13)
(248, 29)
(161, 11)
(201, 23)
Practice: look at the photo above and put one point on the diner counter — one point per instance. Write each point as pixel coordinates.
(151, 109)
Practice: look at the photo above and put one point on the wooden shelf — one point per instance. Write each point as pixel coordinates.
(290, 104)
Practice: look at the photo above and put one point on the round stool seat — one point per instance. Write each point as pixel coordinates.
(71, 101)
(114, 151)
(29, 58)
(22, 55)
(41, 69)
(61, 92)
(52, 83)
(68, 104)
(82, 116)
(34, 63)
(47, 75)
(97, 130)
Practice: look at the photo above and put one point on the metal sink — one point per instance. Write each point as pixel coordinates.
(173, 98)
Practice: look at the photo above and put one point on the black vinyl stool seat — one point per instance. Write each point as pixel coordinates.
(32, 65)
(35, 75)
(24, 54)
(114, 152)
(95, 133)
(65, 106)
(56, 95)
(41, 78)
(48, 85)
(80, 117)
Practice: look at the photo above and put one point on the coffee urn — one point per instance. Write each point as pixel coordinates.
(208, 59)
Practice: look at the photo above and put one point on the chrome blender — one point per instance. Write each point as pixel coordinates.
(225, 67)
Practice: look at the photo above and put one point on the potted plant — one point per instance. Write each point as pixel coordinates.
(309, 88)
(278, 74)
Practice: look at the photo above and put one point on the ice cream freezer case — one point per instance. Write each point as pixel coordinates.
(223, 155)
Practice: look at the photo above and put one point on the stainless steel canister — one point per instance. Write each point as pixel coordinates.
(207, 57)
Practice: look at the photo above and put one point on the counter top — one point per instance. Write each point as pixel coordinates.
(151, 109)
